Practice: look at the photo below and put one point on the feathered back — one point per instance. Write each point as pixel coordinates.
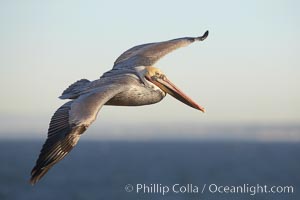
(73, 91)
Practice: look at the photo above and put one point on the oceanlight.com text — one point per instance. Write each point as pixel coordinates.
(157, 188)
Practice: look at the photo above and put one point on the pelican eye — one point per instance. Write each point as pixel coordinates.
(154, 77)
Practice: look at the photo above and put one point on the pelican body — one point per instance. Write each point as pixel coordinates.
(133, 81)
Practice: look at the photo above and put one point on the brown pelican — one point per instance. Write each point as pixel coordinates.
(133, 81)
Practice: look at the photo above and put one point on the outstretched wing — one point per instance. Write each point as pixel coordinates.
(67, 125)
(148, 54)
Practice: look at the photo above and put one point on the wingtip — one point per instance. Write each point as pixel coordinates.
(37, 174)
(204, 36)
(33, 178)
(32, 182)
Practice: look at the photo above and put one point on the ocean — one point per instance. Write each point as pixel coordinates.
(130, 170)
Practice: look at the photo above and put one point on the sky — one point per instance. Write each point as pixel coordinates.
(246, 72)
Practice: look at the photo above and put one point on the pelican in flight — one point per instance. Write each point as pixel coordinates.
(133, 81)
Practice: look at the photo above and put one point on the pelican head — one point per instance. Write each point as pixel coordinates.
(157, 77)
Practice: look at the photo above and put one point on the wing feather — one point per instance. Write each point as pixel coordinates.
(67, 125)
(149, 54)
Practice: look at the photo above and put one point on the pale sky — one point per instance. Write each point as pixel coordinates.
(247, 71)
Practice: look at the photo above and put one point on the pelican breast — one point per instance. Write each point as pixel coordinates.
(137, 95)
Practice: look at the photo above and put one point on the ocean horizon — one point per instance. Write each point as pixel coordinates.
(106, 169)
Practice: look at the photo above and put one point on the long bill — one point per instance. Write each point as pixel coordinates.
(170, 88)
